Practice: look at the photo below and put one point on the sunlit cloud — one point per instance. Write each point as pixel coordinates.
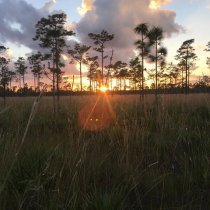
(8, 54)
(64, 57)
(121, 18)
(156, 4)
(48, 7)
(153, 5)
(70, 26)
(86, 6)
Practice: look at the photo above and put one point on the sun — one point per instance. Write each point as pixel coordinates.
(103, 89)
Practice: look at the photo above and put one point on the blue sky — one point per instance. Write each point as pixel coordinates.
(194, 16)
(69, 6)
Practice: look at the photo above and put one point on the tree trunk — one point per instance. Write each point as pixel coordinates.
(38, 83)
(4, 94)
(73, 84)
(142, 58)
(19, 81)
(186, 82)
(90, 84)
(156, 66)
(102, 64)
(23, 80)
(80, 73)
(182, 78)
(10, 83)
(34, 82)
(58, 88)
(53, 88)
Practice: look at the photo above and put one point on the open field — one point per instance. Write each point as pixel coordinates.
(151, 156)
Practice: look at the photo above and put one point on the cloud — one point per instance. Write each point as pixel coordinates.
(47, 8)
(18, 19)
(156, 4)
(8, 54)
(87, 5)
(119, 17)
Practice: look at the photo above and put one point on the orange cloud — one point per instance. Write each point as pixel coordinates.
(87, 5)
(156, 4)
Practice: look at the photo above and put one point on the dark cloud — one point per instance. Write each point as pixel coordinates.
(18, 19)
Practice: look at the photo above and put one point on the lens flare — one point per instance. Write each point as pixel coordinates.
(96, 117)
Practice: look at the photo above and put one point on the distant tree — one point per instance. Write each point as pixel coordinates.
(208, 50)
(78, 53)
(155, 37)
(161, 75)
(35, 60)
(92, 70)
(136, 71)
(173, 74)
(109, 70)
(186, 55)
(121, 72)
(203, 82)
(181, 67)
(143, 46)
(151, 76)
(21, 68)
(51, 33)
(99, 41)
(12, 76)
(4, 76)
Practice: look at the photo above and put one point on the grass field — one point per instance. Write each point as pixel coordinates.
(151, 156)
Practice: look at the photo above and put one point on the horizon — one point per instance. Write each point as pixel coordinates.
(180, 21)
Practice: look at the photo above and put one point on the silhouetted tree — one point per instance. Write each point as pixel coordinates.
(208, 50)
(4, 76)
(121, 72)
(186, 55)
(99, 41)
(203, 83)
(51, 34)
(135, 71)
(109, 69)
(35, 60)
(12, 76)
(156, 35)
(143, 46)
(92, 70)
(21, 68)
(173, 73)
(79, 55)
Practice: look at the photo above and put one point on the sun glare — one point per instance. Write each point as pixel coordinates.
(103, 89)
(153, 5)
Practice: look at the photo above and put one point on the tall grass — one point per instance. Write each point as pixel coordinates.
(154, 155)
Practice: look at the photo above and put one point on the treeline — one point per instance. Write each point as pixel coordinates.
(52, 36)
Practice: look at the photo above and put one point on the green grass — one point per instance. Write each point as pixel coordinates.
(155, 155)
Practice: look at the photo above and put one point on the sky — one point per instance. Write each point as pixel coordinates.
(180, 20)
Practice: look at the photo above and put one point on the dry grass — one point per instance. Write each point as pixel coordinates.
(155, 155)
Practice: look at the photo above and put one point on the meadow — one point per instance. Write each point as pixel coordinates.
(149, 155)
